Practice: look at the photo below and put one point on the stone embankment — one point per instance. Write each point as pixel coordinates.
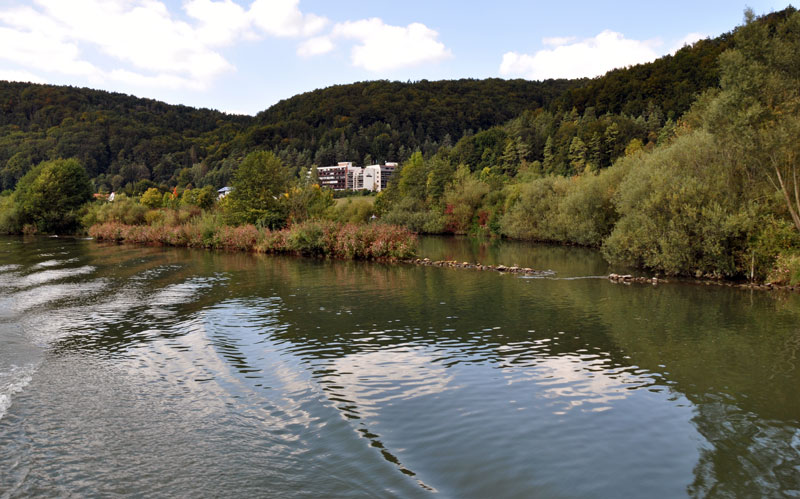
(616, 278)
(628, 279)
(477, 266)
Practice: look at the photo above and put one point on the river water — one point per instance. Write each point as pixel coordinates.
(171, 372)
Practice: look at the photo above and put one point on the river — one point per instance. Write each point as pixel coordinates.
(174, 372)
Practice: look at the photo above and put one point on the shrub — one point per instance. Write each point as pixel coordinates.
(311, 238)
(182, 215)
(786, 270)
(462, 200)
(10, 220)
(151, 198)
(373, 241)
(775, 237)
(123, 210)
(242, 238)
(680, 213)
(352, 210)
(529, 209)
(49, 195)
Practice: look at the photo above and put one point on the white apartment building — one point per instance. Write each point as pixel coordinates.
(346, 177)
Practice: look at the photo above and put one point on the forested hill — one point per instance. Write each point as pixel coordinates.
(110, 133)
(671, 82)
(127, 141)
(383, 115)
(33, 106)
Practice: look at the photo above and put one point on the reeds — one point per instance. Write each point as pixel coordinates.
(315, 238)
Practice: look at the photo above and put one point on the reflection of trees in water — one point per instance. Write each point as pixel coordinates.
(733, 355)
(748, 456)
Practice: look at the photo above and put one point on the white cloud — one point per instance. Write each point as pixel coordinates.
(15, 75)
(382, 47)
(221, 23)
(162, 80)
(283, 18)
(687, 40)
(315, 46)
(556, 41)
(146, 45)
(142, 44)
(591, 57)
(44, 52)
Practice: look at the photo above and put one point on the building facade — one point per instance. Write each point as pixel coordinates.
(335, 177)
(346, 177)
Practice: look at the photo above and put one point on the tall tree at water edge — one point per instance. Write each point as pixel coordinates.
(757, 113)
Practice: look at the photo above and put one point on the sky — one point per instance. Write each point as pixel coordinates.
(242, 56)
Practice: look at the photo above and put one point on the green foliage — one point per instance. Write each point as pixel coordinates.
(440, 174)
(756, 115)
(10, 222)
(462, 200)
(206, 197)
(412, 213)
(307, 201)
(786, 270)
(16, 166)
(123, 210)
(352, 210)
(151, 198)
(413, 177)
(679, 214)
(49, 196)
(258, 185)
(203, 198)
(528, 208)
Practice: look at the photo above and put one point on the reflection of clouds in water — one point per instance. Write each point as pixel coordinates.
(575, 381)
(582, 379)
(12, 277)
(53, 263)
(161, 301)
(43, 295)
(52, 275)
(364, 381)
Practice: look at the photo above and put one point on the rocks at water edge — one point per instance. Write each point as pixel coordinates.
(478, 266)
(628, 279)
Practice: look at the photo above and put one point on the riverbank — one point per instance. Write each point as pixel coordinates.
(312, 238)
(348, 241)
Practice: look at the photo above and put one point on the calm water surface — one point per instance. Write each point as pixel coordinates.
(166, 372)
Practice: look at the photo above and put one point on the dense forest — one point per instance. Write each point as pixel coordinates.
(686, 165)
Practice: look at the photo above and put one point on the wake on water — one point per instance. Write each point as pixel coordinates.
(12, 381)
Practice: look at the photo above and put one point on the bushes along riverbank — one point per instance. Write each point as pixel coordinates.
(315, 238)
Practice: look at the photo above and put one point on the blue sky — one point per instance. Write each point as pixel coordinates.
(245, 55)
